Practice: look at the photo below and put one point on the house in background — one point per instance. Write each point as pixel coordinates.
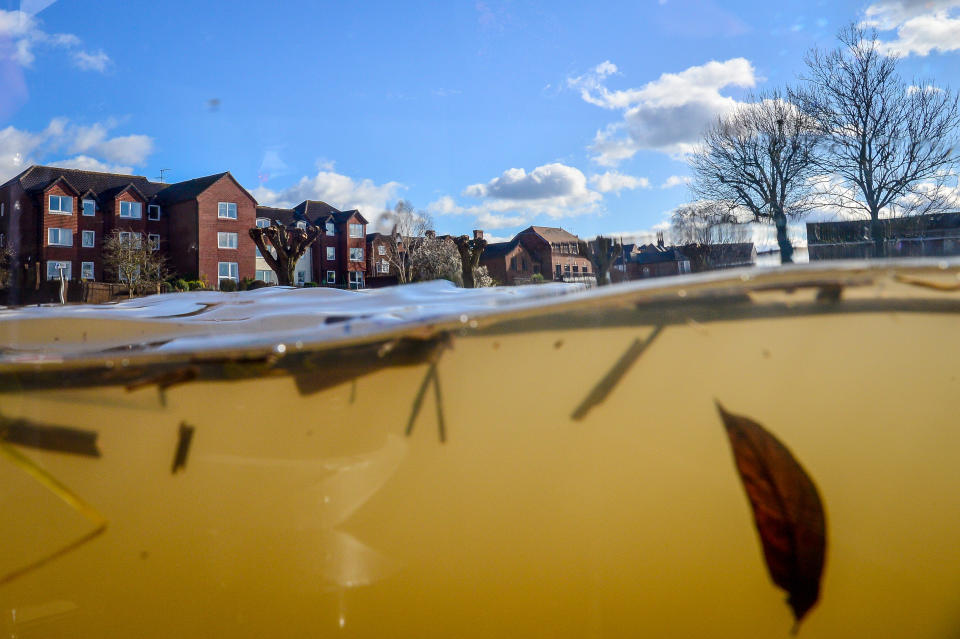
(509, 263)
(558, 254)
(57, 219)
(655, 260)
(381, 271)
(338, 256)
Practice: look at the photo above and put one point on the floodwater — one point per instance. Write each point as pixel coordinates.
(475, 464)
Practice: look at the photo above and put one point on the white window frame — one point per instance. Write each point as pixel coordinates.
(134, 210)
(356, 226)
(224, 210)
(83, 239)
(83, 269)
(267, 275)
(223, 238)
(83, 207)
(353, 252)
(150, 212)
(54, 275)
(331, 277)
(302, 225)
(128, 236)
(263, 222)
(331, 229)
(384, 267)
(233, 271)
(59, 234)
(358, 275)
(331, 253)
(60, 200)
(381, 250)
(153, 240)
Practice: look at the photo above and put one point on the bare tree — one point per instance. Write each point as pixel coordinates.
(890, 144)
(607, 252)
(760, 158)
(282, 248)
(407, 227)
(470, 251)
(705, 222)
(133, 261)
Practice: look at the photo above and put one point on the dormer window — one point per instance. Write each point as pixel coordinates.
(302, 225)
(61, 205)
(89, 208)
(262, 222)
(131, 210)
(153, 212)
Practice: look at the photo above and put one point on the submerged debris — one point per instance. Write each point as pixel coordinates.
(60, 439)
(184, 438)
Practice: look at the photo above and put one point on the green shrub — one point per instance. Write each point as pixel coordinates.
(245, 283)
(310, 285)
(195, 285)
(181, 285)
(228, 286)
(255, 284)
(537, 278)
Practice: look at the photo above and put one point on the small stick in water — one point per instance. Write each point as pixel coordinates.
(606, 385)
(184, 438)
(418, 399)
(441, 426)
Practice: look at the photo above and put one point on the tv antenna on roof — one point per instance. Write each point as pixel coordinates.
(161, 175)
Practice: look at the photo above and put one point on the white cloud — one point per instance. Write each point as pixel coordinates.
(676, 180)
(340, 191)
(614, 182)
(97, 61)
(89, 146)
(23, 30)
(668, 114)
(922, 26)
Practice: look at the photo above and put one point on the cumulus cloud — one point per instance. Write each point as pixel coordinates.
(676, 180)
(89, 147)
(340, 191)
(614, 182)
(668, 114)
(24, 33)
(922, 26)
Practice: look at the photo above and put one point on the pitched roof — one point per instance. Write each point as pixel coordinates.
(284, 216)
(551, 234)
(650, 254)
(187, 190)
(499, 249)
(37, 178)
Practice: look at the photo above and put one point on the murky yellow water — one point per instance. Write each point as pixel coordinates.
(315, 515)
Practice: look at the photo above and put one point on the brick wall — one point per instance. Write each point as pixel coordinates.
(226, 189)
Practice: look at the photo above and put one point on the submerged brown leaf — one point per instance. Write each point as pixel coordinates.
(787, 510)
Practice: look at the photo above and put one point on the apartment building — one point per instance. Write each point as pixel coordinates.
(55, 220)
(337, 257)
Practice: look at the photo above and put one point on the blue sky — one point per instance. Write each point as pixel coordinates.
(486, 113)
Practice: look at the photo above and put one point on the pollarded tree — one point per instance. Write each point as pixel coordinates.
(607, 252)
(281, 248)
(890, 145)
(761, 159)
(470, 251)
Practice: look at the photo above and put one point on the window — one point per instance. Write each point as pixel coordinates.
(331, 230)
(226, 240)
(227, 271)
(61, 205)
(356, 254)
(262, 222)
(88, 239)
(331, 277)
(53, 270)
(384, 266)
(59, 237)
(154, 240)
(2, 210)
(356, 230)
(153, 212)
(331, 253)
(127, 236)
(227, 210)
(265, 275)
(302, 225)
(301, 277)
(89, 208)
(566, 268)
(356, 279)
(559, 268)
(132, 210)
(86, 270)
(381, 250)
(576, 269)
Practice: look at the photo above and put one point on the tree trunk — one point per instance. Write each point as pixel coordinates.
(288, 273)
(786, 249)
(878, 233)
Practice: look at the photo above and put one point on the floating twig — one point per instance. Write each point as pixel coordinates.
(184, 438)
(606, 385)
(418, 398)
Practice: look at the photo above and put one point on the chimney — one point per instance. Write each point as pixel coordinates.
(659, 239)
(477, 234)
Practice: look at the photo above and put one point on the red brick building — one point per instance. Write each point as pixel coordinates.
(549, 251)
(509, 263)
(338, 256)
(55, 219)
